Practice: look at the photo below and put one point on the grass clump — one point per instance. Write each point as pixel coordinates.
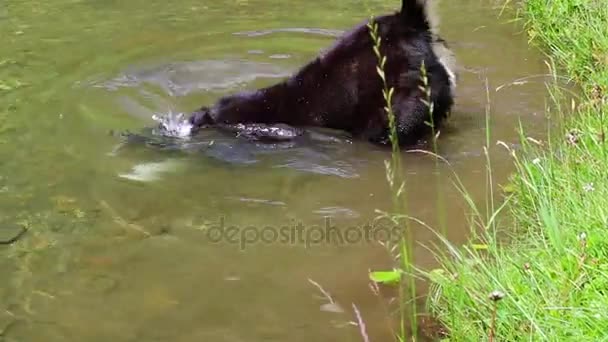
(400, 276)
(550, 281)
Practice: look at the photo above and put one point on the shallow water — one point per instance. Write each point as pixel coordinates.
(120, 245)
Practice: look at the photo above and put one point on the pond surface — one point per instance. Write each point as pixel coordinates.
(119, 246)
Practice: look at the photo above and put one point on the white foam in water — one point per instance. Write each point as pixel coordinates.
(148, 172)
(173, 125)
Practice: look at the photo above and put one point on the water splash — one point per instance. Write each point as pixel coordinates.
(172, 125)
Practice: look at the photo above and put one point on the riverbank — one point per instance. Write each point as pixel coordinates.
(550, 281)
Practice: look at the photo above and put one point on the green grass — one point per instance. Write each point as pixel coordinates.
(553, 267)
(408, 306)
(398, 190)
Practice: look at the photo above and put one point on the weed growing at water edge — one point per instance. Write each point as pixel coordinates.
(397, 184)
(553, 272)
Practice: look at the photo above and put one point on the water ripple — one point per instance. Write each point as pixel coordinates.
(320, 157)
(316, 31)
(183, 78)
(258, 201)
(337, 212)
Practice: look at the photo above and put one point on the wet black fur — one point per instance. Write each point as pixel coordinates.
(341, 89)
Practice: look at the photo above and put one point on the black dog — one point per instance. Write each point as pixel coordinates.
(341, 88)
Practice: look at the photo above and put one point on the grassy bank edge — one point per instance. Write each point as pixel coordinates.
(549, 282)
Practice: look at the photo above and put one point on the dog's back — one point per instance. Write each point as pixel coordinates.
(341, 88)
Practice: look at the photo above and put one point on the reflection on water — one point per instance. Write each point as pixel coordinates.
(120, 245)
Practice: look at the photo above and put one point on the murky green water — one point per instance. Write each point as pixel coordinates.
(110, 257)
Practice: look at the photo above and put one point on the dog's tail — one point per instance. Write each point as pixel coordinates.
(421, 14)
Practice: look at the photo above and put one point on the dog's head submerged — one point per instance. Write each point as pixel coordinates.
(200, 118)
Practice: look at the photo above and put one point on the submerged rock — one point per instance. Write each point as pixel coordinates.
(10, 233)
(6, 321)
(148, 172)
